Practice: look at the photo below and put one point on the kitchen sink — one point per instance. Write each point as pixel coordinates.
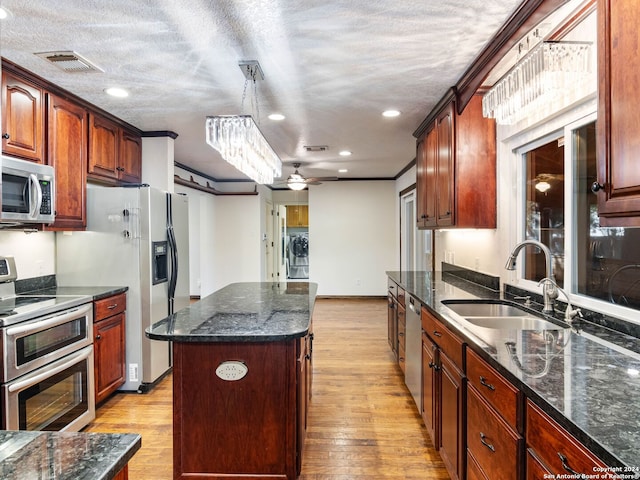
(498, 315)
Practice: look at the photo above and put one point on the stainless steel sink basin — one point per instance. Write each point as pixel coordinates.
(498, 315)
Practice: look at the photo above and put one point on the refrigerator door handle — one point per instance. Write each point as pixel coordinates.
(173, 278)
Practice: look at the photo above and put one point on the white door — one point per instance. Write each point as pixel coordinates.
(269, 243)
(281, 237)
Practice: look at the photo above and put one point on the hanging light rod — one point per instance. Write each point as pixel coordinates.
(251, 70)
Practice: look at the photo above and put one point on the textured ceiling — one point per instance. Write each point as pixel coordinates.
(331, 67)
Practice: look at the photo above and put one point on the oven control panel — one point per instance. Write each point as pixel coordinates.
(7, 269)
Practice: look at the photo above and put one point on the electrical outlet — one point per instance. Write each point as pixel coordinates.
(133, 372)
(357, 282)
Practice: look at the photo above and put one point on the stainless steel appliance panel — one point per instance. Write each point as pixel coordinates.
(413, 350)
(27, 193)
(58, 397)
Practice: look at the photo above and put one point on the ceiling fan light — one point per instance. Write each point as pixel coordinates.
(296, 185)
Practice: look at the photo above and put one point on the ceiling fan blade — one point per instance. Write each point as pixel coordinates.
(322, 179)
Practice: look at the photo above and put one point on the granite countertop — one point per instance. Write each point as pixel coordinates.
(243, 312)
(587, 378)
(64, 456)
(93, 293)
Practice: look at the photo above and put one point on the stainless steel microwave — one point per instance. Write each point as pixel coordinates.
(27, 192)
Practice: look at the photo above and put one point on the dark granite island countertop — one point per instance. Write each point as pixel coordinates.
(242, 359)
(64, 456)
(243, 312)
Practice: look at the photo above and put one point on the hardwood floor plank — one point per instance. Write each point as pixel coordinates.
(363, 423)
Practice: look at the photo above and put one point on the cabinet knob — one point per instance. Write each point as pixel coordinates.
(98, 337)
(596, 187)
(6, 136)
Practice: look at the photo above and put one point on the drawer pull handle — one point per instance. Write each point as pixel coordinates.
(434, 366)
(111, 307)
(566, 466)
(485, 443)
(483, 382)
(436, 333)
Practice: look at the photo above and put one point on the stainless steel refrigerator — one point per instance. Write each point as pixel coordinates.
(138, 237)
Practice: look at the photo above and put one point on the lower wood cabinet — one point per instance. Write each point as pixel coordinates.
(551, 449)
(109, 345)
(304, 385)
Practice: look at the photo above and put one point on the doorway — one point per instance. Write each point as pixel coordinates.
(296, 241)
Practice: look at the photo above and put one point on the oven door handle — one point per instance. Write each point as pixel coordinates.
(36, 326)
(71, 360)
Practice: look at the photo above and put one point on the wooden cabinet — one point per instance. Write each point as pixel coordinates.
(618, 137)
(494, 426)
(305, 375)
(109, 345)
(23, 113)
(443, 392)
(396, 321)
(67, 153)
(297, 216)
(115, 155)
(552, 449)
(402, 337)
(456, 169)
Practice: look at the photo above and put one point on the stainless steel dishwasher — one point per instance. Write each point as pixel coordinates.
(413, 350)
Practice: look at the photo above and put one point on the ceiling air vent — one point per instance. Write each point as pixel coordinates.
(69, 61)
(316, 148)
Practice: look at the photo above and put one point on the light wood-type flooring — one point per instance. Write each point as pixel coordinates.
(363, 424)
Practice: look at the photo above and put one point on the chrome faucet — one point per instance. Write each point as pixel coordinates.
(570, 313)
(549, 290)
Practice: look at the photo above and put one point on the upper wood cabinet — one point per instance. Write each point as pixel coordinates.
(67, 153)
(456, 169)
(115, 155)
(618, 118)
(23, 111)
(297, 215)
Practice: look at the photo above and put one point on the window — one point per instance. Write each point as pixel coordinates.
(593, 262)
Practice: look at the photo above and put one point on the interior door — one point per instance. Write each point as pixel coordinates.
(269, 243)
(281, 221)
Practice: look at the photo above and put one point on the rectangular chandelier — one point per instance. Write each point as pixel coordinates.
(241, 143)
(550, 77)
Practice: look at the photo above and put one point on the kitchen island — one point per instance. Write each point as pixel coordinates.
(241, 381)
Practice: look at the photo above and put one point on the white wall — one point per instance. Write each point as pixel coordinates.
(34, 253)
(352, 236)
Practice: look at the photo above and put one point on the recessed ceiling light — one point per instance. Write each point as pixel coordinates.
(390, 113)
(344, 153)
(276, 117)
(343, 170)
(4, 13)
(117, 92)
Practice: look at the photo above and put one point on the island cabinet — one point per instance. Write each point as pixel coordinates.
(23, 117)
(109, 345)
(115, 154)
(494, 426)
(443, 392)
(67, 153)
(552, 451)
(618, 136)
(456, 169)
(304, 381)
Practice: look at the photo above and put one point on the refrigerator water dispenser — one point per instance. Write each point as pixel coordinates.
(160, 262)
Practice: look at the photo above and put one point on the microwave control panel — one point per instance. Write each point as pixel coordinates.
(45, 208)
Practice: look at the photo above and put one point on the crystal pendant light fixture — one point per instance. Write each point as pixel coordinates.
(240, 141)
(550, 77)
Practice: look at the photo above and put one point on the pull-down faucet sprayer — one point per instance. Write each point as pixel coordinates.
(549, 291)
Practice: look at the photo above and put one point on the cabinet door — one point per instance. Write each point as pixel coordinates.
(430, 390)
(535, 469)
(22, 119)
(451, 417)
(103, 147)
(618, 119)
(431, 161)
(445, 168)
(109, 355)
(392, 325)
(130, 158)
(67, 153)
(421, 178)
(302, 400)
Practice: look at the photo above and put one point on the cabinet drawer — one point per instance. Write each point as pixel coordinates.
(393, 288)
(555, 447)
(474, 472)
(401, 296)
(493, 387)
(109, 306)
(401, 357)
(450, 344)
(496, 447)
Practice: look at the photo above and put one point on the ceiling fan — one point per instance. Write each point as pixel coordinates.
(296, 181)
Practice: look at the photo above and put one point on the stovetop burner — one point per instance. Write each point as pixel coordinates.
(13, 305)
